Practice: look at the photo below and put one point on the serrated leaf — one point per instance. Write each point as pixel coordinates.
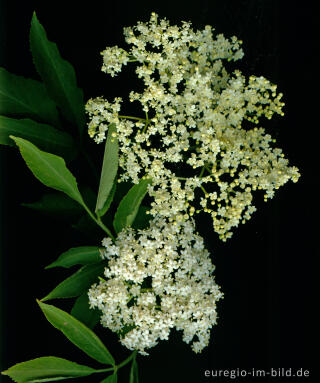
(79, 334)
(50, 169)
(44, 136)
(45, 369)
(82, 311)
(24, 97)
(57, 74)
(134, 376)
(129, 205)
(56, 204)
(77, 283)
(82, 255)
(110, 379)
(109, 169)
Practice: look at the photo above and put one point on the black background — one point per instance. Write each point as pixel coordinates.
(266, 270)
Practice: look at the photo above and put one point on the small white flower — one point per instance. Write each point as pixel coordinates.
(160, 278)
(201, 119)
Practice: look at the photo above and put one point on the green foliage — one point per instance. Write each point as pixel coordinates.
(50, 169)
(82, 311)
(25, 97)
(109, 172)
(61, 206)
(42, 135)
(77, 283)
(110, 379)
(40, 145)
(79, 334)
(57, 204)
(89, 229)
(108, 201)
(121, 190)
(57, 74)
(47, 369)
(134, 375)
(142, 218)
(129, 205)
(82, 255)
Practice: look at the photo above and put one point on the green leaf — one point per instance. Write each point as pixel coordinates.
(50, 169)
(82, 311)
(121, 191)
(25, 97)
(77, 283)
(109, 169)
(80, 335)
(61, 206)
(56, 204)
(109, 200)
(89, 196)
(89, 229)
(129, 205)
(82, 255)
(142, 218)
(44, 136)
(134, 375)
(57, 74)
(45, 369)
(110, 379)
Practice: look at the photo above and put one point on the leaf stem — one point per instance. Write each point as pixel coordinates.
(98, 221)
(204, 190)
(105, 370)
(208, 168)
(126, 361)
(116, 367)
(202, 171)
(132, 118)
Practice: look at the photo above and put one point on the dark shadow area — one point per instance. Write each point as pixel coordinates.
(266, 270)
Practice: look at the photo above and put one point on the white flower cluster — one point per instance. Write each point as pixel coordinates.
(196, 135)
(113, 59)
(157, 279)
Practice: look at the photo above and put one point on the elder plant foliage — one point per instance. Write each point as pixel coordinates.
(199, 147)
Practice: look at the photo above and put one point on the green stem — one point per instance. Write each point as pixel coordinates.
(202, 171)
(145, 127)
(132, 118)
(203, 189)
(98, 221)
(105, 370)
(118, 366)
(207, 168)
(126, 361)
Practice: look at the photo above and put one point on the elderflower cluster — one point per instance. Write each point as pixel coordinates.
(199, 133)
(157, 279)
